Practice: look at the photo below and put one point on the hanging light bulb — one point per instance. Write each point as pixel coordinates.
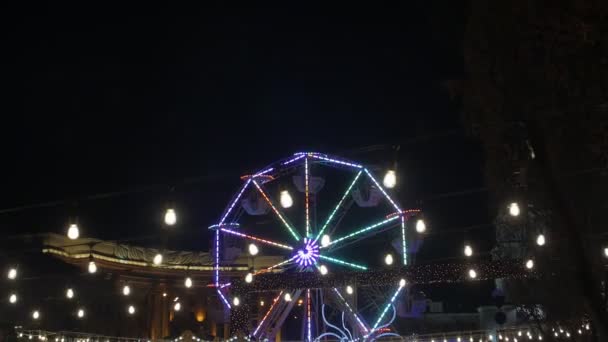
(606, 252)
(390, 179)
(35, 314)
(236, 301)
(285, 199)
(126, 290)
(472, 274)
(177, 306)
(514, 209)
(323, 269)
(69, 293)
(80, 313)
(388, 259)
(131, 310)
(540, 239)
(349, 290)
(420, 226)
(188, 282)
(468, 250)
(12, 273)
(325, 240)
(12, 298)
(287, 297)
(402, 282)
(92, 267)
(249, 277)
(170, 217)
(73, 232)
(530, 264)
(158, 259)
(253, 249)
(261, 303)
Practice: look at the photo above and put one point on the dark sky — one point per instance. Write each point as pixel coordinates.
(100, 99)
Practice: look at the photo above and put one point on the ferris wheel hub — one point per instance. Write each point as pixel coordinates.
(308, 254)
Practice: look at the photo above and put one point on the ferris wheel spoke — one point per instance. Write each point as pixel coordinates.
(343, 263)
(331, 216)
(282, 263)
(274, 208)
(272, 306)
(306, 190)
(367, 229)
(251, 237)
(388, 306)
(383, 191)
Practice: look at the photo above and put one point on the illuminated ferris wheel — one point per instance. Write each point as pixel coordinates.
(326, 217)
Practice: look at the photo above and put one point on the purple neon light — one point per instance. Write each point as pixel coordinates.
(335, 161)
(309, 254)
(294, 159)
(235, 201)
(382, 189)
(224, 298)
(263, 172)
(351, 310)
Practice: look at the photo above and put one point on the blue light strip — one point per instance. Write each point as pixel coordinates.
(382, 189)
(331, 216)
(224, 298)
(235, 201)
(335, 161)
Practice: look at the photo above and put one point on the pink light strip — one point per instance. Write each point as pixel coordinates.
(268, 269)
(382, 189)
(352, 311)
(235, 201)
(274, 302)
(293, 233)
(307, 198)
(256, 239)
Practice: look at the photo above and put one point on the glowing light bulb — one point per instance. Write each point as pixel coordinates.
(80, 313)
(349, 290)
(325, 240)
(177, 306)
(402, 282)
(540, 240)
(468, 250)
(236, 301)
(472, 274)
(587, 326)
(131, 310)
(388, 259)
(164, 294)
(285, 199)
(253, 249)
(188, 282)
(92, 267)
(390, 179)
(514, 209)
(126, 290)
(12, 274)
(287, 297)
(73, 232)
(261, 303)
(12, 298)
(170, 217)
(323, 269)
(606, 252)
(249, 277)
(519, 333)
(35, 314)
(420, 226)
(69, 293)
(530, 264)
(158, 259)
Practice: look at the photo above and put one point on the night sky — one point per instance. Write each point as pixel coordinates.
(101, 100)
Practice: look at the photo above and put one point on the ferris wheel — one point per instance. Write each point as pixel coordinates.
(326, 217)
